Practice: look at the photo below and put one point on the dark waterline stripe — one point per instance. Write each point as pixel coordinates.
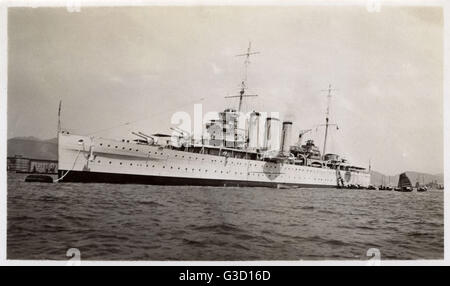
(115, 178)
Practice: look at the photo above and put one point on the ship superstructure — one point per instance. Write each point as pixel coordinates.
(225, 155)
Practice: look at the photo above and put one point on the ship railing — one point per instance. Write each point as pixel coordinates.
(305, 159)
(220, 151)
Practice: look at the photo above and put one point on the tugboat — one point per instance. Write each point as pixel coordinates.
(404, 184)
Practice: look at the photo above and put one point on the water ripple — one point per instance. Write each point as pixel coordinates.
(135, 222)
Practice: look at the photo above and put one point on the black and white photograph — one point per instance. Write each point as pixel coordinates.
(259, 132)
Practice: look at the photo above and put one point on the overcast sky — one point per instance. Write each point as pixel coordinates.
(116, 65)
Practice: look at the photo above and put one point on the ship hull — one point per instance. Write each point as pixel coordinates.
(111, 178)
(101, 160)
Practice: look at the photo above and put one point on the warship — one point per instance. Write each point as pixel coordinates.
(225, 155)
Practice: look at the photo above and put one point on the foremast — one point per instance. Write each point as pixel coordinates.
(327, 119)
(244, 80)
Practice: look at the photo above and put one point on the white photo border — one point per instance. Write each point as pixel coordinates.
(4, 5)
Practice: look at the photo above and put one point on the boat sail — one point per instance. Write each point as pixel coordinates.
(404, 183)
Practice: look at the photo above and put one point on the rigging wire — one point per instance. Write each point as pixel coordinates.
(73, 166)
(142, 119)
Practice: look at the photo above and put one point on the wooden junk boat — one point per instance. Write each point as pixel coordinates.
(404, 184)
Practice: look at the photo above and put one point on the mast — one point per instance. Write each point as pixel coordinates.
(59, 117)
(58, 131)
(327, 115)
(244, 80)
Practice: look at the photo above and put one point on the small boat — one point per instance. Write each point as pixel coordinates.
(404, 184)
(38, 179)
(403, 189)
(384, 188)
(422, 189)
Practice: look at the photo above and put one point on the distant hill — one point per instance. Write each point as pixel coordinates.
(32, 147)
(378, 178)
